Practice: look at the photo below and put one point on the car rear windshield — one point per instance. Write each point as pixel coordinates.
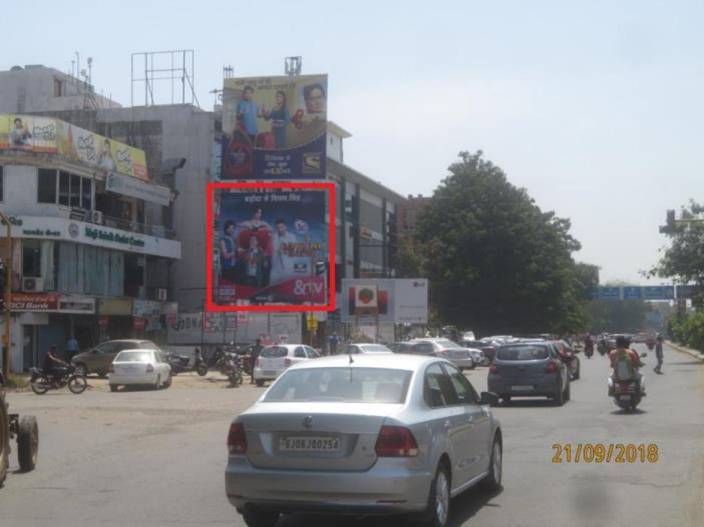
(373, 348)
(345, 385)
(522, 353)
(146, 345)
(274, 352)
(134, 356)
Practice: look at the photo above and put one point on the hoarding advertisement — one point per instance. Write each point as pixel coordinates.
(53, 136)
(401, 301)
(274, 128)
(269, 246)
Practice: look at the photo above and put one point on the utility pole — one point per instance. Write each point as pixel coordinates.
(7, 294)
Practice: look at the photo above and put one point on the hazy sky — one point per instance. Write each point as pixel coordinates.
(593, 106)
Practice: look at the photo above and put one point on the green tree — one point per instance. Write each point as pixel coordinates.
(617, 316)
(495, 261)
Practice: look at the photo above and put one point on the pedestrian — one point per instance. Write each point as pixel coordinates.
(256, 350)
(71, 348)
(658, 352)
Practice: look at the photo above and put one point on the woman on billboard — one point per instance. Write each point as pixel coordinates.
(280, 118)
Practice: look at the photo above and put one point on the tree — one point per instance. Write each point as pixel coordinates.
(683, 260)
(495, 261)
(617, 316)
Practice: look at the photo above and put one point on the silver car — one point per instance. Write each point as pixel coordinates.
(367, 435)
(463, 358)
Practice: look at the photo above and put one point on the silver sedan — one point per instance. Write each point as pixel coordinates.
(363, 435)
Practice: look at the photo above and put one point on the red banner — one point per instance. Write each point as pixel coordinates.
(34, 302)
(138, 323)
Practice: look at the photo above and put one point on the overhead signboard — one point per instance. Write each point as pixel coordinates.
(632, 293)
(397, 300)
(659, 292)
(28, 133)
(610, 293)
(274, 128)
(686, 291)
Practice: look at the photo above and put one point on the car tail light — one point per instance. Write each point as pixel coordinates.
(396, 441)
(552, 367)
(150, 368)
(493, 369)
(287, 362)
(236, 439)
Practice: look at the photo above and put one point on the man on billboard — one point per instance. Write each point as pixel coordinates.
(247, 112)
(314, 96)
(283, 245)
(20, 135)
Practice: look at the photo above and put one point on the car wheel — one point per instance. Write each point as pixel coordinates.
(27, 443)
(559, 397)
(255, 518)
(158, 382)
(439, 499)
(568, 392)
(260, 382)
(492, 481)
(506, 399)
(113, 387)
(167, 382)
(81, 370)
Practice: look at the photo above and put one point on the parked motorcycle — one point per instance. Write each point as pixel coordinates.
(233, 369)
(215, 361)
(183, 364)
(40, 382)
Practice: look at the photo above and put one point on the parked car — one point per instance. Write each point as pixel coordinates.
(382, 435)
(145, 367)
(529, 370)
(464, 358)
(413, 348)
(273, 360)
(366, 348)
(98, 359)
(488, 349)
(569, 357)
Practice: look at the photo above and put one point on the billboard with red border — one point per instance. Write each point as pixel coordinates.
(269, 246)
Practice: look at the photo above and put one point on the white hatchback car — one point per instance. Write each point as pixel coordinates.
(139, 367)
(273, 360)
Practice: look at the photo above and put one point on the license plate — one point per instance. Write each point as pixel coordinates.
(624, 397)
(309, 444)
(269, 373)
(522, 388)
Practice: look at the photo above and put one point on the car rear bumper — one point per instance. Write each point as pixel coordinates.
(148, 378)
(527, 387)
(266, 375)
(388, 487)
(463, 362)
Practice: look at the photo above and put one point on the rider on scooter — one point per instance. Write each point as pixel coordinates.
(625, 363)
(589, 345)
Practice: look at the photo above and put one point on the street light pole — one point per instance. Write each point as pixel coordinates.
(7, 293)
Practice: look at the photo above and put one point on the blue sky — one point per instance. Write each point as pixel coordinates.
(593, 106)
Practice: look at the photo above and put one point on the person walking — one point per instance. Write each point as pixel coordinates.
(658, 353)
(71, 348)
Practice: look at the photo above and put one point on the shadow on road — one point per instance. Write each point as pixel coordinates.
(621, 411)
(685, 363)
(467, 504)
(529, 403)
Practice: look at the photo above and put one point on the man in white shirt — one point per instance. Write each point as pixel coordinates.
(282, 259)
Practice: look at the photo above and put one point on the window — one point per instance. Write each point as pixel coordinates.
(274, 352)
(438, 388)
(522, 353)
(64, 186)
(31, 258)
(75, 191)
(46, 186)
(300, 353)
(466, 394)
(87, 194)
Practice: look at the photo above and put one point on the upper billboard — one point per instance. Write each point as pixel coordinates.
(270, 245)
(28, 133)
(402, 301)
(274, 128)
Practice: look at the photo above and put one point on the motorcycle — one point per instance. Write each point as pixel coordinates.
(589, 349)
(232, 368)
(40, 382)
(215, 361)
(627, 392)
(183, 364)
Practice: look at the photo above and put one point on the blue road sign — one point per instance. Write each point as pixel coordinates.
(632, 292)
(609, 293)
(659, 292)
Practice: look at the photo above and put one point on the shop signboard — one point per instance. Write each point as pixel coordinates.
(34, 302)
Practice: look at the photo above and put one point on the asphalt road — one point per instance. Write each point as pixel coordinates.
(157, 458)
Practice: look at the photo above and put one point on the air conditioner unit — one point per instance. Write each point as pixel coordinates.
(161, 294)
(33, 285)
(96, 216)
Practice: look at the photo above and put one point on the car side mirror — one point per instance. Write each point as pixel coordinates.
(489, 398)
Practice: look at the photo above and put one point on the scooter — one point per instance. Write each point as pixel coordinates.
(627, 392)
(232, 368)
(183, 364)
(589, 349)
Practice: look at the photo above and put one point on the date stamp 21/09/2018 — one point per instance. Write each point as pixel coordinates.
(605, 453)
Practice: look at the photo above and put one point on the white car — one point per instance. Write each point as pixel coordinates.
(139, 367)
(273, 360)
(366, 348)
(464, 358)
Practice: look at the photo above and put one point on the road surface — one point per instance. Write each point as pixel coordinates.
(157, 458)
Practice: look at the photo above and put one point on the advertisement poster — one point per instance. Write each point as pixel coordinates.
(274, 128)
(270, 246)
(47, 135)
(401, 301)
(223, 328)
